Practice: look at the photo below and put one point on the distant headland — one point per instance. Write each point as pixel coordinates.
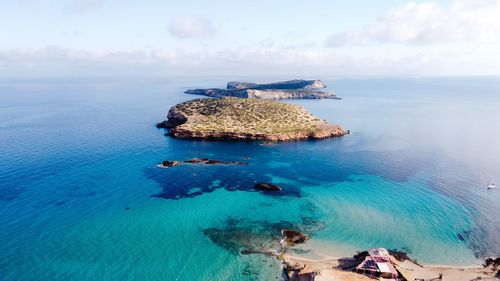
(293, 89)
(246, 119)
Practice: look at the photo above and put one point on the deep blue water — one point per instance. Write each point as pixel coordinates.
(81, 197)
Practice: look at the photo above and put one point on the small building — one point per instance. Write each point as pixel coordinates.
(378, 264)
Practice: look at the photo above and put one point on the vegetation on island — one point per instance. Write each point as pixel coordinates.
(249, 116)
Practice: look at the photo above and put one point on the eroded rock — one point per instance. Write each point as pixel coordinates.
(291, 237)
(170, 163)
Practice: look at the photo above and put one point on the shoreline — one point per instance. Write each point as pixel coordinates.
(330, 268)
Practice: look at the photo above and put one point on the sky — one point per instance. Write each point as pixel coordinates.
(55, 38)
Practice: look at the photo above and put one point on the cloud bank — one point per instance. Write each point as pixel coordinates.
(428, 23)
(55, 61)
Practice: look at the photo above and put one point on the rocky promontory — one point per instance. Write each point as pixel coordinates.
(293, 89)
(246, 119)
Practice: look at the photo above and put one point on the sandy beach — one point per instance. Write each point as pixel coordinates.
(330, 269)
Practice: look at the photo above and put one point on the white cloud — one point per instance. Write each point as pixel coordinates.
(62, 62)
(428, 23)
(191, 27)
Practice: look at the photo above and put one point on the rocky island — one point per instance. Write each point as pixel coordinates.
(293, 89)
(246, 119)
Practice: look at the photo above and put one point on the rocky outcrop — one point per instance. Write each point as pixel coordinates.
(494, 262)
(291, 237)
(294, 89)
(267, 187)
(175, 118)
(170, 163)
(246, 119)
(167, 163)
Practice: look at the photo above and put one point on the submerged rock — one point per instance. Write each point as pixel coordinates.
(291, 237)
(213, 162)
(207, 161)
(241, 236)
(267, 187)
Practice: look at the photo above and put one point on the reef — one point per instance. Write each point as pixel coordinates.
(168, 164)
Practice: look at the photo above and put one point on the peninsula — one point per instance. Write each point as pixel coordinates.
(293, 89)
(246, 119)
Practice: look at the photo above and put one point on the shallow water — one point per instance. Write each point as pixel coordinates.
(82, 199)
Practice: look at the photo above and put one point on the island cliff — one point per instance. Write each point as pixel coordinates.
(293, 89)
(246, 119)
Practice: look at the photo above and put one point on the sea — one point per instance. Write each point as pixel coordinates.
(82, 198)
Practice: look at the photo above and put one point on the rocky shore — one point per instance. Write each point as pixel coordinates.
(246, 119)
(293, 89)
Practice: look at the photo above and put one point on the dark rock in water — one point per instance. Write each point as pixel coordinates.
(241, 236)
(464, 235)
(212, 162)
(167, 163)
(291, 236)
(170, 163)
(161, 124)
(190, 180)
(174, 119)
(495, 262)
(267, 187)
(196, 160)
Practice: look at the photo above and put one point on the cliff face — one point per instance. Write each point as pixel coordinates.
(284, 85)
(246, 119)
(293, 89)
(263, 94)
(289, 94)
(324, 133)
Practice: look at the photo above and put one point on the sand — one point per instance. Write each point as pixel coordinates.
(328, 269)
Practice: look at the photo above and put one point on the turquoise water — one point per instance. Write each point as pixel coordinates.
(82, 199)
